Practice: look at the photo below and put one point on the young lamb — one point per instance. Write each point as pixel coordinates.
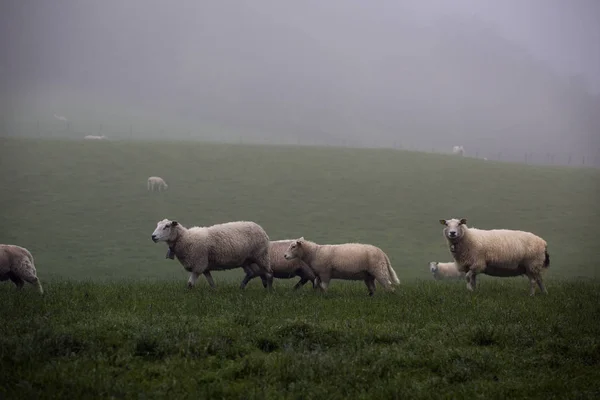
(216, 248)
(496, 252)
(16, 264)
(282, 267)
(445, 270)
(157, 182)
(350, 261)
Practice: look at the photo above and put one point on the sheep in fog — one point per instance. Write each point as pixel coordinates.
(16, 264)
(445, 270)
(458, 150)
(349, 261)
(216, 248)
(496, 252)
(93, 137)
(157, 182)
(282, 267)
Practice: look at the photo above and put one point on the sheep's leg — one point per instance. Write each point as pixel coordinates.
(532, 283)
(209, 279)
(193, 278)
(324, 282)
(384, 281)
(474, 281)
(300, 283)
(148, 185)
(470, 281)
(16, 280)
(541, 285)
(370, 282)
(316, 282)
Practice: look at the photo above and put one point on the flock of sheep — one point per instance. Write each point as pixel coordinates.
(246, 245)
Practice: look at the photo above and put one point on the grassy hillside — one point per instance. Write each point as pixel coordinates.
(117, 322)
(84, 211)
(427, 340)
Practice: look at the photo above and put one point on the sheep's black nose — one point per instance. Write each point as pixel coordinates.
(154, 238)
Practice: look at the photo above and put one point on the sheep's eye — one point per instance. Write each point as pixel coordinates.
(165, 228)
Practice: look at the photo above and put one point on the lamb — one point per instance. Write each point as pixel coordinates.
(16, 264)
(445, 270)
(459, 150)
(496, 252)
(216, 248)
(350, 261)
(94, 137)
(157, 182)
(282, 267)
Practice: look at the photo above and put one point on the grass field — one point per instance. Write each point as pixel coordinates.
(117, 320)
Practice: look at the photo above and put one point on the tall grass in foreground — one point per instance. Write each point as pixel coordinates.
(426, 340)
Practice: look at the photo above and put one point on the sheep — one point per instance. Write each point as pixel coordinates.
(158, 182)
(350, 261)
(445, 270)
(496, 252)
(93, 137)
(459, 150)
(216, 248)
(16, 264)
(282, 267)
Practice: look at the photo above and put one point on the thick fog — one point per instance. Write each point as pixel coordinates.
(506, 77)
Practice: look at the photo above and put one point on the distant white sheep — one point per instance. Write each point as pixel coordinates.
(16, 264)
(94, 137)
(459, 150)
(158, 183)
(496, 252)
(216, 248)
(445, 270)
(350, 261)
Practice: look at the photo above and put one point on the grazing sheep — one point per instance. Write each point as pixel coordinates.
(350, 261)
(216, 248)
(93, 137)
(496, 252)
(445, 270)
(16, 264)
(157, 182)
(282, 267)
(459, 150)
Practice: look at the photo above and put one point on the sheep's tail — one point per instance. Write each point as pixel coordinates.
(391, 271)
(546, 259)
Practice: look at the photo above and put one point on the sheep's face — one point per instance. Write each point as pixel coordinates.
(455, 228)
(165, 230)
(433, 267)
(294, 250)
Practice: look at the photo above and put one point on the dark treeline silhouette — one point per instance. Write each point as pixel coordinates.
(335, 73)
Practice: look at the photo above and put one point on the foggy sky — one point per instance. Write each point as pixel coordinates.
(466, 69)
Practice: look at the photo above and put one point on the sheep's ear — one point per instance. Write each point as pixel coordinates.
(174, 223)
(443, 221)
(463, 221)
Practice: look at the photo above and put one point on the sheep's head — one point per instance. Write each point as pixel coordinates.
(433, 266)
(295, 249)
(165, 231)
(455, 228)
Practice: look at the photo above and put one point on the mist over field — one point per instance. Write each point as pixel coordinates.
(512, 80)
(330, 120)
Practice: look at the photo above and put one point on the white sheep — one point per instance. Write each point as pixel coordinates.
(94, 137)
(16, 264)
(445, 270)
(282, 267)
(459, 150)
(350, 261)
(216, 248)
(157, 182)
(496, 252)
